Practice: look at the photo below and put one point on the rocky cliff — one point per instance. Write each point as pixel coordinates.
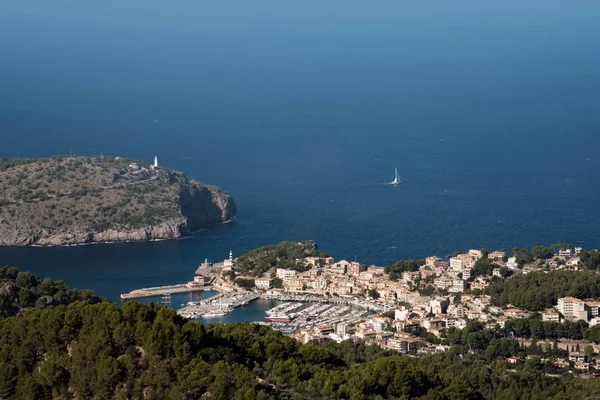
(75, 200)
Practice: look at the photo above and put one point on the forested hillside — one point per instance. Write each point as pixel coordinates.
(280, 255)
(104, 351)
(21, 290)
(539, 290)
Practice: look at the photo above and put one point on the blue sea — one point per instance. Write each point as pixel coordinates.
(302, 110)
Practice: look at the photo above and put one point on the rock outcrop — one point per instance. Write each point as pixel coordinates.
(77, 200)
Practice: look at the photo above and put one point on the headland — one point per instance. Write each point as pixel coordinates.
(66, 200)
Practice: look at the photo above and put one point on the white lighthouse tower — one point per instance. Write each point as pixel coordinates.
(155, 161)
(228, 263)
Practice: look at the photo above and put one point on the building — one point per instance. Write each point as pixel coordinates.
(228, 263)
(516, 313)
(314, 261)
(403, 345)
(438, 306)
(367, 275)
(442, 283)
(409, 276)
(458, 285)
(466, 273)
(513, 360)
(565, 253)
(550, 316)
(433, 261)
(592, 308)
(199, 280)
(155, 165)
(339, 268)
(512, 263)
(284, 274)
(294, 287)
(572, 308)
(476, 254)
(496, 255)
(582, 366)
(263, 283)
(577, 356)
(465, 261)
(356, 268)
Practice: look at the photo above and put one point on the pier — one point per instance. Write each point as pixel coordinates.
(163, 290)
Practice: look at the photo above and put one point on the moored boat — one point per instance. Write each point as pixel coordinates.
(281, 318)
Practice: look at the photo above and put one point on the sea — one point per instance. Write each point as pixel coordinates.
(490, 111)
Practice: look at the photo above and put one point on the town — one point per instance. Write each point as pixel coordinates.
(410, 306)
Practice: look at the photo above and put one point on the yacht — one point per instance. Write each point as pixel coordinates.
(213, 314)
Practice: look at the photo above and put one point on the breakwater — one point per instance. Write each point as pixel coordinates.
(163, 290)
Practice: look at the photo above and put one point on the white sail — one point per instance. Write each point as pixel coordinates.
(396, 180)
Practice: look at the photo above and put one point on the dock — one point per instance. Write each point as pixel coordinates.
(164, 290)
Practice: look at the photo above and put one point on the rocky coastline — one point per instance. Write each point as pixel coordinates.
(83, 200)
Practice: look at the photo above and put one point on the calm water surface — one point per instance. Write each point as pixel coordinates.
(490, 111)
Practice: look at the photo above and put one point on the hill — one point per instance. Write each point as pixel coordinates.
(280, 255)
(22, 290)
(79, 347)
(73, 200)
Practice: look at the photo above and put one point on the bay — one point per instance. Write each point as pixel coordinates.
(490, 112)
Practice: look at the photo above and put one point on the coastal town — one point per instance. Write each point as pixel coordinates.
(409, 307)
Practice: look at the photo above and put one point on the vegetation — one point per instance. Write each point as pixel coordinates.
(541, 252)
(245, 283)
(6, 163)
(483, 267)
(403, 266)
(104, 351)
(63, 199)
(590, 260)
(281, 255)
(537, 291)
(20, 290)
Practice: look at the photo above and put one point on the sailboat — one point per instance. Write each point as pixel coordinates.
(396, 180)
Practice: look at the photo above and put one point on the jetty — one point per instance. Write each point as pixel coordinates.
(163, 290)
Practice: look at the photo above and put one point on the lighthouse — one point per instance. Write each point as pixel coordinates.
(155, 161)
(228, 263)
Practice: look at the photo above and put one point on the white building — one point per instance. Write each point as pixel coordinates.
(262, 283)
(285, 274)
(228, 263)
(496, 255)
(572, 308)
(550, 316)
(458, 285)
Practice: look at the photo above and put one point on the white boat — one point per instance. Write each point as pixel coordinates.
(396, 180)
(213, 314)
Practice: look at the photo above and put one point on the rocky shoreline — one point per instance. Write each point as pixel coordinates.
(110, 200)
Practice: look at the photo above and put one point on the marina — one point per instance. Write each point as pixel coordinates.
(290, 316)
(218, 305)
